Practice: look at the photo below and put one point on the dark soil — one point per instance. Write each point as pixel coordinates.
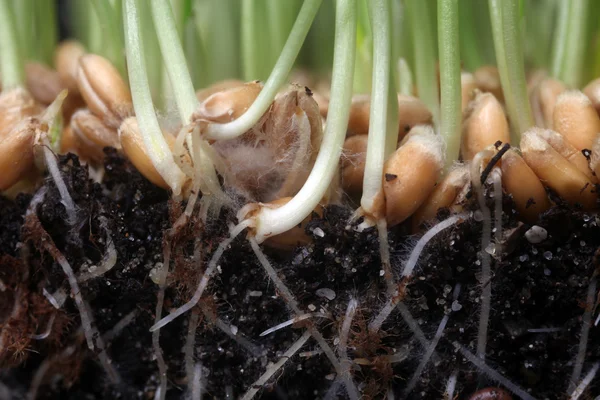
(534, 286)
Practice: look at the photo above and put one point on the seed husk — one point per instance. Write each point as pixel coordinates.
(134, 148)
(66, 60)
(567, 150)
(484, 123)
(543, 93)
(16, 152)
(16, 105)
(411, 112)
(43, 83)
(411, 172)
(103, 90)
(556, 172)
(227, 105)
(353, 164)
(592, 91)
(92, 135)
(443, 196)
(467, 89)
(519, 180)
(488, 80)
(216, 87)
(576, 119)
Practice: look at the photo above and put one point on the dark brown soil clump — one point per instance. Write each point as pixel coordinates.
(534, 287)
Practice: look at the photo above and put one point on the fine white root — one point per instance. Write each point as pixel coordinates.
(332, 392)
(390, 394)
(309, 354)
(161, 390)
(544, 330)
(292, 321)
(282, 289)
(496, 177)
(273, 368)
(384, 253)
(385, 312)
(585, 382)
(119, 326)
(486, 270)
(57, 299)
(409, 267)
(413, 325)
(451, 385)
(109, 260)
(345, 362)
(188, 351)
(291, 301)
(46, 333)
(418, 249)
(585, 332)
(425, 359)
(197, 382)
(212, 265)
(236, 336)
(492, 373)
(86, 319)
(65, 196)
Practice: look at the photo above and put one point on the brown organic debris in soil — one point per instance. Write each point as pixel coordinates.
(538, 300)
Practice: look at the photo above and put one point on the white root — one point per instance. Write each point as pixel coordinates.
(291, 321)
(492, 373)
(486, 270)
(544, 330)
(236, 337)
(409, 267)
(293, 304)
(46, 333)
(188, 352)
(65, 196)
(585, 382)
(160, 299)
(496, 177)
(451, 385)
(86, 319)
(109, 260)
(197, 382)
(333, 389)
(384, 253)
(345, 363)
(119, 326)
(585, 332)
(418, 249)
(212, 265)
(273, 368)
(425, 359)
(57, 299)
(385, 312)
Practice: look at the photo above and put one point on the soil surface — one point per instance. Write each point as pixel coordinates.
(539, 297)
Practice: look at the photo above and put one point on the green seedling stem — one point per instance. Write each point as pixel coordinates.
(424, 46)
(155, 143)
(508, 44)
(11, 62)
(449, 50)
(570, 42)
(376, 147)
(276, 79)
